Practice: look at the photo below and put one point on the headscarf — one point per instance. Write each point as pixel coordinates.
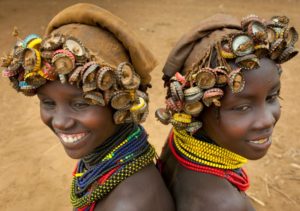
(194, 44)
(119, 35)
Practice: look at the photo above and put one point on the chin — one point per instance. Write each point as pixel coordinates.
(256, 155)
(74, 154)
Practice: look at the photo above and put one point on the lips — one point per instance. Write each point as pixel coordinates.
(260, 144)
(260, 141)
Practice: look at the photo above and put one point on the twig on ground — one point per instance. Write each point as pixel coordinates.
(266, 182)
(295, 165)
(51, 148)
(256, 200)
(293, 178)
(284, 194)
(267, 186)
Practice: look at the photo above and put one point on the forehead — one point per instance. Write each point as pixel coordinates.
(259, 81)
(56, 88)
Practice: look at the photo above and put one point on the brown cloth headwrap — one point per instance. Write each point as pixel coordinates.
(91, 15)
(193, 45)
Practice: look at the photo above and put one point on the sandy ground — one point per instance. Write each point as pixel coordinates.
(36, 173)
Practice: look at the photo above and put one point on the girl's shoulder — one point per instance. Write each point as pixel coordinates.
(199, 191)
(144, 190)
(193, 190)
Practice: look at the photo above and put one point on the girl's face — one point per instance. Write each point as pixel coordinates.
(79, 126)
(245, 120)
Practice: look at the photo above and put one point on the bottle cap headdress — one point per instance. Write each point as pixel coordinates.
(91, 48)
(198, 69)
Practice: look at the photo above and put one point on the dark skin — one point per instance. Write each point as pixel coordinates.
(68, 115)
(144, 190)
(194, 191)
(81, 128)
(243, 124)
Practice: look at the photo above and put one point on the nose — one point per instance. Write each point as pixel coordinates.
(61, 121)
(265, 119)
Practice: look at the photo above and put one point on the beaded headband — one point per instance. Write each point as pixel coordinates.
(34, 61)
(202, 84)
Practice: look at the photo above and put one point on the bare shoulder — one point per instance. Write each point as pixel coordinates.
(198, 191)
(144, 190)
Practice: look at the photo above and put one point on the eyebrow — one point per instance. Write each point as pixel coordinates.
(72, 95)
(276, 86)
(40, 94)
(250, 95)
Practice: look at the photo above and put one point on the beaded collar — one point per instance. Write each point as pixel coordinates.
(200, 156)
(98, 174)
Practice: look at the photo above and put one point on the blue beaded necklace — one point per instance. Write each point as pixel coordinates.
(123, 151)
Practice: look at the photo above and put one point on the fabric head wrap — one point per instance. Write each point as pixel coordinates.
(198, 67)
(194, 44)
(106, 35)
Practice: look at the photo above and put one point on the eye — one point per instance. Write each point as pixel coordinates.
(242, 108)
(273, 97)
(80, 105)
(47, 103)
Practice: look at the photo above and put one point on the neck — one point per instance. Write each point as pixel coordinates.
(204, 152)
(100, 152)
(121, 156)
(201, 135)
(208, 158)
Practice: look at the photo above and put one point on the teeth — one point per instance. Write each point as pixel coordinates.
(260, 141)
(71, 138)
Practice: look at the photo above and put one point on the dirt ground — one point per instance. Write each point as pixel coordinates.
(36, 173)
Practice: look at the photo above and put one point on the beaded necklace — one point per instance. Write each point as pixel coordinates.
(208, 158)
(93, 182)
(100, 152)
(205, 153)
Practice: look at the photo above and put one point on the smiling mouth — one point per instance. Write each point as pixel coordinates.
(261, 141)
(72, 138)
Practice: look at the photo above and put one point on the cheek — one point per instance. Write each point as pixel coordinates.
(224, 125)
(233, 129)
(94, 121)
(277, 112)
(235, 126)
(217, 120)
(45, 117)
(97, 119)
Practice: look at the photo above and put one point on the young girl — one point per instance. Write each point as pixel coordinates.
(90, 74)
(223, 80)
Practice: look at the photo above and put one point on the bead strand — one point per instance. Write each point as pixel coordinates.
(122, 160)
(101, 191)
(206, 153)
(241, 180)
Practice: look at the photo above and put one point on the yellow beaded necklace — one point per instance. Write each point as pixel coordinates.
(205, 153)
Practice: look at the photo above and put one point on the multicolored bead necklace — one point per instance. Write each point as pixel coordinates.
(208, 158)
(122, 160)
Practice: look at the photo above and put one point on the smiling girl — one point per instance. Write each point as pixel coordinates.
(223, 80)
(90, 74)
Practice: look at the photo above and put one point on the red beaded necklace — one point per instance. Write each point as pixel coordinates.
(239, 181)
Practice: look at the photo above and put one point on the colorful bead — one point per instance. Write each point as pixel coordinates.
(241, 180)
(120, 162)
(205, 153)
(181, 117)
